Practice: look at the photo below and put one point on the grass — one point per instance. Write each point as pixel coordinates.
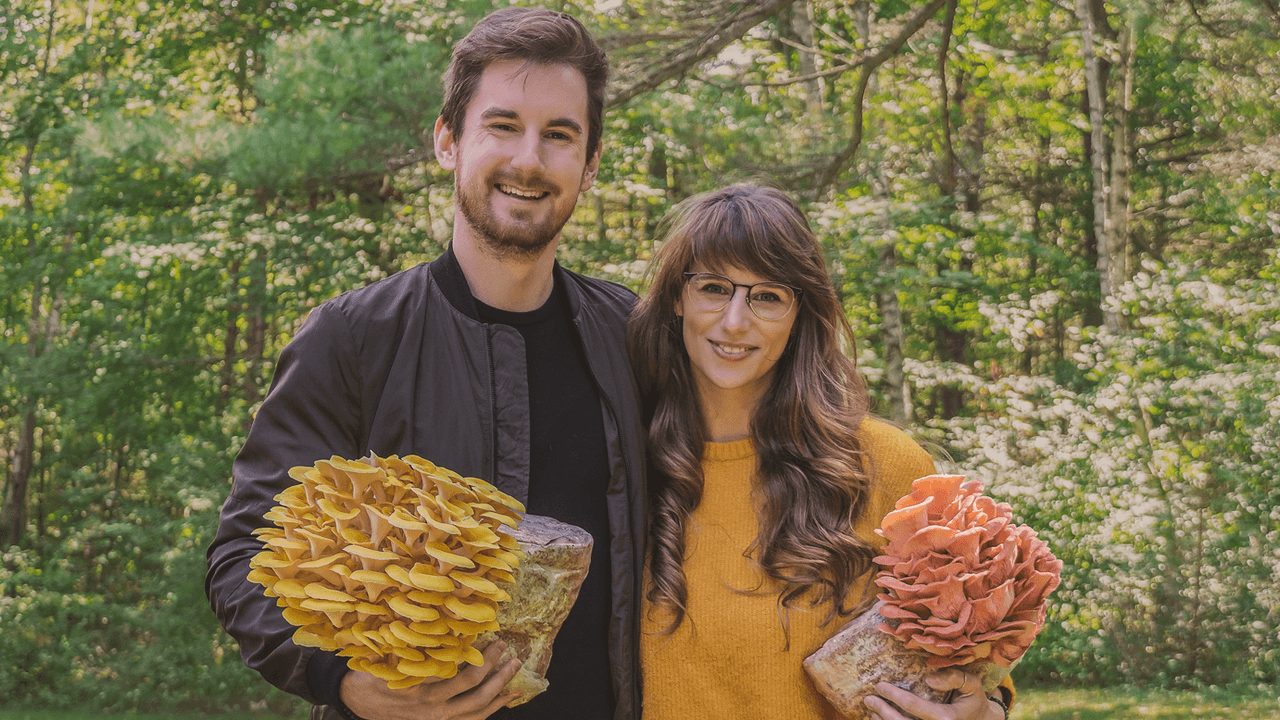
(1033, 704)
(1124, 703)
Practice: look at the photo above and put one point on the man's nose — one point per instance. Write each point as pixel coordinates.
(528, 154)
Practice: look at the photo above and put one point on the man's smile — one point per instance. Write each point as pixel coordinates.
(512, 191)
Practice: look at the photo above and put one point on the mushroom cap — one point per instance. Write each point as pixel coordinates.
(441, 552)
(425, 577)
(501, 576)
(490, 561)
(375, 582)
(320, 591)
(307, 638)
(474, 582)
(290, 588)
(476, 611)
(411, 636)
(429, 668)
(402, 607)
(333, 510)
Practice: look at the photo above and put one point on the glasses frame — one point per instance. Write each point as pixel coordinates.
(689, 276)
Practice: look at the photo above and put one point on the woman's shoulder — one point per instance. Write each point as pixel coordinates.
(895, 458)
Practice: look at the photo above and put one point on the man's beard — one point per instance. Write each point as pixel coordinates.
(510, 239)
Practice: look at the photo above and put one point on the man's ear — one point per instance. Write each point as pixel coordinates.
(589, 172)
(445, 147)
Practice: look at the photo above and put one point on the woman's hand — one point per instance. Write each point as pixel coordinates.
(970, 703)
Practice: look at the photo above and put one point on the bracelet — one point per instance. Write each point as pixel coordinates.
(350, 714)
(1004, 707)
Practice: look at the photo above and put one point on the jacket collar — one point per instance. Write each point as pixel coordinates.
(447, 273)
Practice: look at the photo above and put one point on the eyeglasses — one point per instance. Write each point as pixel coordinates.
(768, 300)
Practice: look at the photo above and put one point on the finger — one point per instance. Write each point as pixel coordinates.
(880, 709)
(964, 684)
(951, 679)
(493, 706)
(472, 675)
(484, 699)
(909, 702)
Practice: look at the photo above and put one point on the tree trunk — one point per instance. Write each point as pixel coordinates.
(802, 23)
(1122, 141)
(13, 514)
(13, 518)
(897, 392)
(1098, 157)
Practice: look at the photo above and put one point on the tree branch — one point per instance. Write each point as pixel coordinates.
(845, 157)
(707, 44)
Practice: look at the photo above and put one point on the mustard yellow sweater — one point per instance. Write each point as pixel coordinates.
(727, 659)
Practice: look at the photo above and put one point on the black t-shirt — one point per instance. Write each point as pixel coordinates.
(568, 476)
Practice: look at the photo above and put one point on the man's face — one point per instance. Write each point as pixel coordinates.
(521, 160)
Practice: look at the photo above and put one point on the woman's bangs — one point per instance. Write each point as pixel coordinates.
(732, 237)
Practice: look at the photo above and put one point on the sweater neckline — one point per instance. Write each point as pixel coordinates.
(735, 450)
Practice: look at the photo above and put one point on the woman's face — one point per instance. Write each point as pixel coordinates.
(732, 350)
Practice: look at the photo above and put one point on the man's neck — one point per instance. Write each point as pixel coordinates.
(514, 284)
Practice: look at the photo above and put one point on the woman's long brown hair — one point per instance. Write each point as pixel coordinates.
(810, 475)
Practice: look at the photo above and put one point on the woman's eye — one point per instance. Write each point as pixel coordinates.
(716, 289)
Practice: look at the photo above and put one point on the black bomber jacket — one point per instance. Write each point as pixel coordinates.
(404, 366)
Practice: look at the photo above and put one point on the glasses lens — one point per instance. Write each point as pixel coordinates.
(710, 292)
(771, 301)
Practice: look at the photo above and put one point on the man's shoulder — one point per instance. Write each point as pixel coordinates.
(597, 292)
(393, 289)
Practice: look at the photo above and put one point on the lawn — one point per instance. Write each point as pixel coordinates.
(1037, 704)
(1137, 704)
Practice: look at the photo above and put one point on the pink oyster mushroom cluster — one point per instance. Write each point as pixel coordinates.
(960, 580)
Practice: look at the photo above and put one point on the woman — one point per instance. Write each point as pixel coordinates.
(767, 476)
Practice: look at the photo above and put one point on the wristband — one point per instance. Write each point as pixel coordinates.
(348, 714)
(1004, 707)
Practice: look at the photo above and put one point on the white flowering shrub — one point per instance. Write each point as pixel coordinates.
(1157, 486)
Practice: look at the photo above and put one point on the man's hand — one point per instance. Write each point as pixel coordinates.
(970, 703)
(473, 694)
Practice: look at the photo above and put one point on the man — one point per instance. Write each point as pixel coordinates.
(491, 361)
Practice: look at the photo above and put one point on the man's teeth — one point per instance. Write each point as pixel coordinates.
(520, 193)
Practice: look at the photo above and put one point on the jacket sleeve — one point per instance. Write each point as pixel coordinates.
(313, 411)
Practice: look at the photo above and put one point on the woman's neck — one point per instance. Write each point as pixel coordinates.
(726, 417)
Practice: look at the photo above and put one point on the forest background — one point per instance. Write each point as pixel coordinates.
(1053, 224)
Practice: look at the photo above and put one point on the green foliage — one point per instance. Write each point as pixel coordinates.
(1153, 486)
(184, 181)
(340, 104)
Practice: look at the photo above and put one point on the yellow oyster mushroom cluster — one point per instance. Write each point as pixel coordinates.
(393, 562)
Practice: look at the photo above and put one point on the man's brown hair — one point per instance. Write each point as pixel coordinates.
(535, 36)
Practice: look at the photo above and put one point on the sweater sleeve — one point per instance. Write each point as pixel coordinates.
(312, 411)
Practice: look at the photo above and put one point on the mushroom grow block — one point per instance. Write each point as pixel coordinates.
(556, 559)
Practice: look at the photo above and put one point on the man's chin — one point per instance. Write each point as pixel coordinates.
(516, 241)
